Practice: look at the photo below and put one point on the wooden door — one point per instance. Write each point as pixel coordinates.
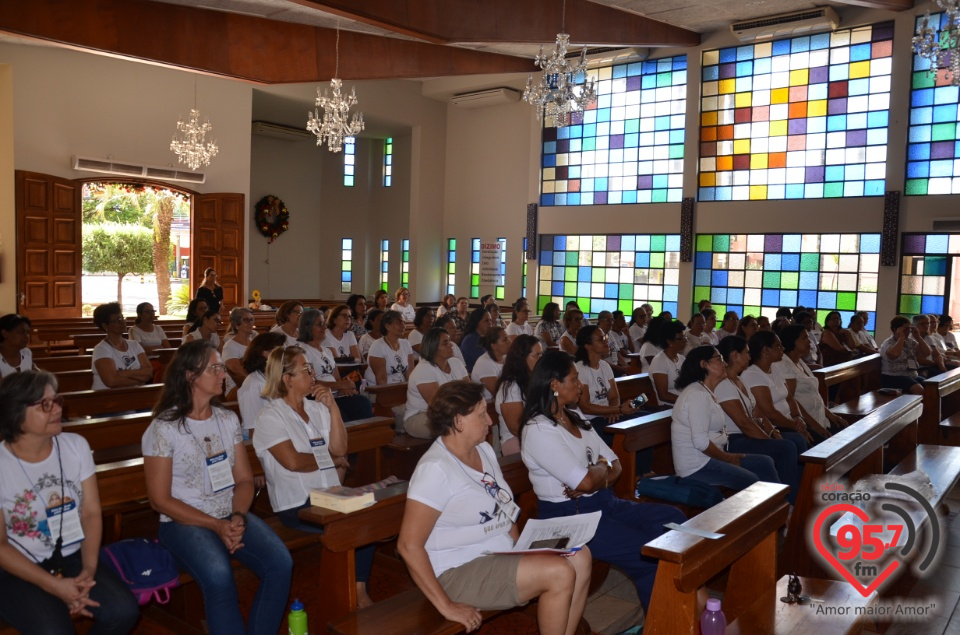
(218, 228)
(49, 246)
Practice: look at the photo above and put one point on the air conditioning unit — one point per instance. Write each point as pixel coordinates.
(484, 98)
(786, 25)
(119, 168)
(606, 56)
(267, 129)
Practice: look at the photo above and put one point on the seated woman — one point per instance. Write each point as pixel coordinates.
(199, 479)
(665, 367)
(373, 333)
(710, 325)
(549, 329)
(358, 315)
(648, 346)
(857, 326)
(698, 433)
(511, 387)
(572, 321)
(302, 444)
(728, 326)
(380, 301)
(944, 328)
(390, 358)
(447, 323)
(312, 332)
(457, 480)
(403, 305)
(233, 349)
(489, 365)
(339, 339)
(250, 395)
(447, 304)
(460, 316)
(801, 384)
(519, 324)
(615, 345)
(898, 357)
(288, 319)
(205, 328)
(747, 327)
(836, 343)
(15, 354)
(422, 322)
(478, 324)
(638, 326)
(494, 310)
(763, 324)
(51, 571)
(437, 367)
(695, 334)
(572, 471)
(196, 308)
(117, 361)
(600, 400)
(622, 331)
(146, 330)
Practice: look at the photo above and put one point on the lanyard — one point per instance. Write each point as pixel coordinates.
(56, 560)
(216, 418)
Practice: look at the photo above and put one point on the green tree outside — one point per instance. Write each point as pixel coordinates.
(117, 248)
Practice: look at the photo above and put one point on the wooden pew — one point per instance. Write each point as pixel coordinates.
(92, 403)
(74, 380)
(632, 386)
(859, 381)
(633, 435)
(63, 363)
(882, 442)
(749, 522)
(940, 421)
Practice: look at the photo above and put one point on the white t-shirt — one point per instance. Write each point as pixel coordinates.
(250, 398)
(470, 521)
(649, 349)
(905, 365)
(323, 363)
(514, 329)
(195, 335)
(485, 367)
(26, 489)
(697, 421)
(636, 333)
(663, 365)
(408, 312)
(427, 373)
(341, 347)
(291, 341)
(415, 338)
(278, 422)
(728, 391)
(396, 361)
(441, 310)
(458, 353)
(556, 458)
(513, 395)
(153, 338)
(617, 343)
(232, 349)
(364, 345)
(26, 363)
(189, 450)
(694, 341)
(807, 392)
(597, 382)
(949, 339)
(123, 360)
(753, 377)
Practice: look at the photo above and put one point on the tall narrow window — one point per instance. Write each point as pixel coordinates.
(451, 266)
(346, 265)
(384, 264)
(388, 162)
(523, 259)
(349, 160)
(499, 289)
(405, 265)
(475, 268)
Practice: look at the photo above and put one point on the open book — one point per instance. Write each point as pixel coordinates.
(556, 535)
(350, 499)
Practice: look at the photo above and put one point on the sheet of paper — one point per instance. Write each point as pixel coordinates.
(577, 530)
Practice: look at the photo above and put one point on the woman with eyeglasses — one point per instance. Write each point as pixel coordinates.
(288, 320)
(519, 320)
(199, 480)
(695, 334)
(302, 444)
(340, 340)
(209, 290)
(250, 396)
(511, 388)
(50, 520)
(205, 328)
(195, 309)
(665, 367)
(117, 361)
(235, 343)
(146, 330)
(403, 305)
(572, 472)
(437, 367)
(15, 353)
(599, 400)
(457, 482)
(699, 433)
(390, 358)
(489, 365)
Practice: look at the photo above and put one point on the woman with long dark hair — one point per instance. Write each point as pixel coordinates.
(437, 367)
(511, 388)
(358, 312)
(599, 399)
(146, 330)
(250, 394)
(390, 359)
(665, 366)
(478, 324)
(312, 333)
(549, 329)
(15, 353)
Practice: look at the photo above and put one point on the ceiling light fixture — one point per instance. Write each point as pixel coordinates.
(336, 123)
(937, 44)
(192, 148)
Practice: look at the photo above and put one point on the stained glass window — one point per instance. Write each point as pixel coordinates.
(628, 146)
(384, 264)
(933, 153)
(388, 162)
(523, 259)
(755, 274)
(610, 273)
(926, 272)
(346, 265)
(349, 160)
(500, 289)
(804, 117)
(475, 268)
(451, 266)
(405, 265)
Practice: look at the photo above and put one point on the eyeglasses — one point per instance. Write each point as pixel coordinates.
(300, 312)
(117, 319)
(493, 489)
(216, 369)
(46, 404)
(716, 357)
(248, 320)
(308, 367)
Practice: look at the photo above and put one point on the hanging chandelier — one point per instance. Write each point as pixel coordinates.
(938, 43)
(191, 148)
(336, 123)
(564, 88)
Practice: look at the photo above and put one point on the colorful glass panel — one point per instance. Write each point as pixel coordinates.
(346, 265)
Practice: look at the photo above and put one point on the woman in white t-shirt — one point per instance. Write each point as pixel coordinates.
(437, 367)
(288, 317)
(638, 327)
(15, 354)
(447, 323)
(51, 571)
(572, 472)
(422, 322)
(250, 395)
(199, 479)
(146, 330)
(390, 359)
(865, 343)
(802, 385)
(649, 345)
(447, 304)
(340, 339)
(666, 364)
(695, 334)
(117, 361)
(242, 332)
(488, 367)
(519, 321)
(205, 328)
(511, 389)
(373, 333)
(302, 444)
(599, 400)
(457, 482)
(403, 305)
(572, 321)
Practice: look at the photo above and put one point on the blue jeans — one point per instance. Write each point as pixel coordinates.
(782, 451)
(363, 557)
(753, 468)
(31, 610)
(204, 556)
(624, 528)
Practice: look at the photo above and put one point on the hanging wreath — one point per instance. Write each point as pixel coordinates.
(272, 217)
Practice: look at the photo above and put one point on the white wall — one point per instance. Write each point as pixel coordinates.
(8, 229)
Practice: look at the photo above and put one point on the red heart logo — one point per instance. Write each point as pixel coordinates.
(829, 557)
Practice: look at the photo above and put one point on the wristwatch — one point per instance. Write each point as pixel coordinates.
(606, 462)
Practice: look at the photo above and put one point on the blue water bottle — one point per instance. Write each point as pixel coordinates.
(713, 621)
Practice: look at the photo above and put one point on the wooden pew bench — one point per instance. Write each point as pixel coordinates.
(632, 386)
(883, 442)
(859, 383)
(94, 403)
(940, 421)
(74, 380)
(633, 435)
(62, 363)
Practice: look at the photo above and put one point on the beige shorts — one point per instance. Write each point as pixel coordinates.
(418, 425)
(487, 583)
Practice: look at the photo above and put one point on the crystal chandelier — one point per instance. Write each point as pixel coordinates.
(191, 148)
(558, 95)
(939, 47)
(336, 123)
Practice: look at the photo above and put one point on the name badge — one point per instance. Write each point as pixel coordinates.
(912, 364)
(66, 519)
(512, 510)
(322, 455)
(220, 472)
